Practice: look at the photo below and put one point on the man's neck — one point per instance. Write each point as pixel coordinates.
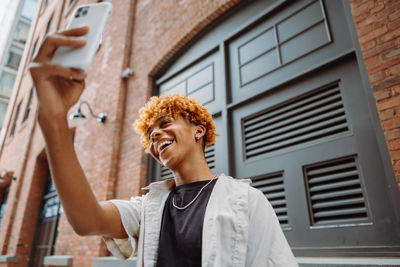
(189, 173)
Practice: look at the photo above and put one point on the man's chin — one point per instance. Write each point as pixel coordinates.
(168, 163)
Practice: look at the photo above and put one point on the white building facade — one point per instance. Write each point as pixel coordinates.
(15, 20)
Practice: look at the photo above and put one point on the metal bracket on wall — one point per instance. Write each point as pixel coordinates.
(127, 73)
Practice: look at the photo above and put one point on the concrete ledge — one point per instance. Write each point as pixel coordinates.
(8, 258)
(58, 260)
(115, 262)
(347, 262)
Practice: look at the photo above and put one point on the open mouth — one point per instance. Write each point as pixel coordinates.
(164, 145)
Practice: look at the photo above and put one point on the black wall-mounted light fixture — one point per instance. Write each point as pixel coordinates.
(78, 115)
(7, 176)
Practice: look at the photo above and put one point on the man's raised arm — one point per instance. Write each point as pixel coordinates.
(58, 88)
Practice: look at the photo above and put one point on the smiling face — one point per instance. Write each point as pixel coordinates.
(174, 105)
(173, 141)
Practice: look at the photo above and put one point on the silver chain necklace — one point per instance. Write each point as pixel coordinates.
(194, 199)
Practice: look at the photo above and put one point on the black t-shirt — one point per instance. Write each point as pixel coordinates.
(181, 230)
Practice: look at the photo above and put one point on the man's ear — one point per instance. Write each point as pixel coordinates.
(200, 131)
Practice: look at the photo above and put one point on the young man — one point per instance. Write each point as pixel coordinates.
(196, 219)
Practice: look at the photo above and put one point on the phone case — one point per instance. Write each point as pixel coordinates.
(95, 16)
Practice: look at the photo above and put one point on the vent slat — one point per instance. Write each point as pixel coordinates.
(331, 169)
(300, 139)
(267, 189)
(278, 202)
(295, 112)
(344, 220)
(332, 177)
(340, 212)
(165, 170)
(262, 182)
(331, 186)
(290, 106)
(283, 218)
(276, 195)
(337, 203)
(208, 156)
(295, 129)
(280, 210)
(343, 193)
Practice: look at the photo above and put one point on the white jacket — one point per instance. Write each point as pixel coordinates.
(240, 227)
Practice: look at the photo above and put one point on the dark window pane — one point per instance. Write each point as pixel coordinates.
(3, 204)
(29, 105)
(14, 57)
(14, 126)
(6, 84)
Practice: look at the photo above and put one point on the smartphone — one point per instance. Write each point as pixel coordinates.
(94, 16)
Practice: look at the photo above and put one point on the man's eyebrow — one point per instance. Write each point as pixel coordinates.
(157, 120)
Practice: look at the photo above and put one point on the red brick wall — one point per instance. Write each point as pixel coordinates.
(378, 27)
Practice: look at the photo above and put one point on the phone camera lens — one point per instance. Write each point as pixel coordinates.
(84, 12)
(78, 12)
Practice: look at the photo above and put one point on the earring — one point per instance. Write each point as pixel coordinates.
(197, 138)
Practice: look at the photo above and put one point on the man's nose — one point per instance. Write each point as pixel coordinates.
(155, 134)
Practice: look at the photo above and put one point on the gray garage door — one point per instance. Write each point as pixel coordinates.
(283, 83)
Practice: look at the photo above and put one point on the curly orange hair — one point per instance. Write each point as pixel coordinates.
(174, 105)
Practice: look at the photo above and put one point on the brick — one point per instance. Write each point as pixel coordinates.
(393, 70)
(389, 103)
(392, 134)
(382, 94)
(378, 7)
(394, 145)
(395, 90)
(374, 34)
(368, 45)
(372, 62)
(393, 34)
(391, 124)
(362, 31)
(387, 83)
(386, 114)
(395, 15)
(393, 25)
(384, 64)
(395, 154)
(378, 76)
(363, 8)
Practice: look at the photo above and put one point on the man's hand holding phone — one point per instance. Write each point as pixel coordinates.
(58, 88)
(58, 68)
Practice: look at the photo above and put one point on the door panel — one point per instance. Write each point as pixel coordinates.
(201, 80)
(286, 44)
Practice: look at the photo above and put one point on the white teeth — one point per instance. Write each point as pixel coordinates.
(166, 142)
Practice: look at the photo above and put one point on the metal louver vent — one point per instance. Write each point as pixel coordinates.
(273, 188)
(335, 193)
(166, 173)
(210, 157)
(310, 117)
